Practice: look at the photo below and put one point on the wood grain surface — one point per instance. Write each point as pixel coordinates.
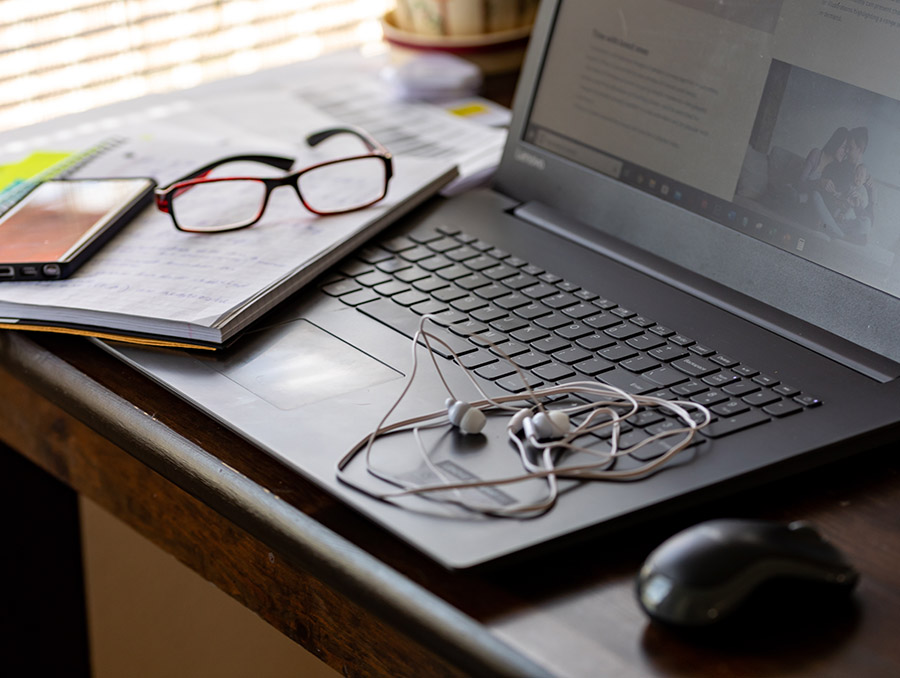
(368, 605)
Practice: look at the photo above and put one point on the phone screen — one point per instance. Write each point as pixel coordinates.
(55, 219)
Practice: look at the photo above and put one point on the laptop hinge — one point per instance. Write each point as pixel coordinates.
(816, 339)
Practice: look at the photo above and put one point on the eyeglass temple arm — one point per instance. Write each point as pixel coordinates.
(280, 162)
(318, 137)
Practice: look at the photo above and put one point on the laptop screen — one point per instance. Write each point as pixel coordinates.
(779, 119)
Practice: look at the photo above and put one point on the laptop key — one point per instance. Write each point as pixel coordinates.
(761, 398)
(695, 367)
(580, 311)
(528, 334)
(554, 372)
(434, 263)
(341, 287)
(449, 317)
(520, 281)
(782, 408)
(639, 364)
(491, 292)
(595, 342)
(728, 425)
(468, 327)
(689, 388)
(645, 342)
(729, 408)
(489, 314)
(624, 331)
(710, 397)
(594, 366)
(665, 376)
(477, 359)
(601, 321)
(741, 388)
(539, 291)
(430, 284)
(574, 331)
(448, 294)
(481, 263)
(807, 400)
(361, 297)
(570, 356)
(412, 297)
(412, 274)
(373, 278)
(506, 349)
(552, 321)
(551, 344)
(532, 310)
(512, 324)
(628, 382)
(473, 281)
(500, 272)
(495, 371)
(443, 244)
(560, 300)
(530, 360)
(515, 383)
(462, 253)
(429, 307)
(468, 304)
(512, 301)
(617, 353)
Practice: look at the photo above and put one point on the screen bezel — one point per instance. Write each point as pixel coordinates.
(729, 260)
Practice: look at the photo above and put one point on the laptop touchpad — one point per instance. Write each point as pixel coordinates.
(297, 363)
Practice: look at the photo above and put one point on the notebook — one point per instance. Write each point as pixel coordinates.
(679, 211)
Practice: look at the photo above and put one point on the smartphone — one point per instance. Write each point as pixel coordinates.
(57, 227)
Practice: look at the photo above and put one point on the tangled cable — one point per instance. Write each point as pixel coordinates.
(543, 436)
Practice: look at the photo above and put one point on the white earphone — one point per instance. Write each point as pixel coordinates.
(547, 425)
(467, 419)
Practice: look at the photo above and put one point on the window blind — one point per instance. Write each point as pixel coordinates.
(62, 56)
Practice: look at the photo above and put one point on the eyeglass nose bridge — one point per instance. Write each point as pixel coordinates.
(292, 180)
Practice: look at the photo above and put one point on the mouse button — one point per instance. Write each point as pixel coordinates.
(804, 542)
(700, 558)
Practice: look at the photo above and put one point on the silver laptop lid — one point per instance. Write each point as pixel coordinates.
(753, 143)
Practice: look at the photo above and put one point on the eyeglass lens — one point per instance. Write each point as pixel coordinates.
(343, 185)
(219, 205)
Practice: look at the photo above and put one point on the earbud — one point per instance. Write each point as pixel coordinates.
(518, 420)
(466, 418)
(547, 425)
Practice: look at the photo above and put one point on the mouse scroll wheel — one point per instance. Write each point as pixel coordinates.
(803, 529)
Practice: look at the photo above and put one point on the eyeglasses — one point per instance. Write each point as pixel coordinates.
(199, 203)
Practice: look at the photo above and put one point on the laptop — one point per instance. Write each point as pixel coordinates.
(679, 212)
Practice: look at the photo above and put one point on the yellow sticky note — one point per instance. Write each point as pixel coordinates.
(469, 109)
(31, 166)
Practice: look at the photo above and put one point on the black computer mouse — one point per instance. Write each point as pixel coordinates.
(705, 574)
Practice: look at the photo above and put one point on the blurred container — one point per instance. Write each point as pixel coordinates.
(492, 34)
(463, 17)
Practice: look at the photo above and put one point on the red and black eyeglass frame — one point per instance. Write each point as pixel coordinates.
(166, 194)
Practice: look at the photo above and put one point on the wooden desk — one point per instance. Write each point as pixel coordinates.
(360, 599)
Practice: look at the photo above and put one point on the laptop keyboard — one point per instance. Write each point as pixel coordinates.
(552, 329)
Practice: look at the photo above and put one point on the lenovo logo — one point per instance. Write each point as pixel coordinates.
(529, 159)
